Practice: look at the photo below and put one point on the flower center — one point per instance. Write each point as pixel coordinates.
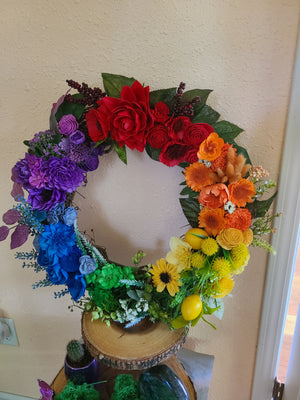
(165, 277)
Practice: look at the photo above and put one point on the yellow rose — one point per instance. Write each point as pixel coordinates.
(230, 238)
(248, 237)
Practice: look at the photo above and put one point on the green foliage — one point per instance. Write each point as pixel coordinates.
(78, 392)
(191, 210)
(227, 131)
(165, 95)
(70, 108)
(259, 208)
(206, 114)
(152, 152)
(121, 151)
(125, 388)
(113, 84)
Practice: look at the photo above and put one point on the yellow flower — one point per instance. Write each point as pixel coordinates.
(180, 254)
(230, 238)
(165, 275)
(248, 237)
(240, 257)
(223, 287)
(209, 246)
(222, 266)
(197, 260)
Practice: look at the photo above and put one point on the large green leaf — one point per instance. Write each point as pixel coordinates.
(165, 95)
(70, 108)
(191, 209)
(259, 208)
(121, 151)
(113, 84)
(243, 151)
(191, 94)
(227, 131)
(187, 191)
(206, 114)
(179, 322)
(152, 152)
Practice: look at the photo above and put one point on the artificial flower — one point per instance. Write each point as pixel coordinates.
(223, 287)
(76, 285)
(77, 137)
(86, 265)
(178, 128)
(158, 136)
(197, 133)
(211, 148)
(229, 238)
(209, 246)
(97, 132)
(57, 239)
(240, 219)
(67, 124)
(57, 275)
(242, 192)
(214, 196)
(165, 275)
(180, 254)
(161, 112)
(173, 153)
(197, 176)
(221, 266)
(198, 260)
(240, 257)
(69, 216)
(70, 262)
(248, 237)
(212, 221)
(221, 161)
(45, 199)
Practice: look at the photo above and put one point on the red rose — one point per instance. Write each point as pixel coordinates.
(178, 128)
(127, 119)
(95, 129)
(158, 136)
(191, 155)
(173, 154)
(197, 133)
(161, 112)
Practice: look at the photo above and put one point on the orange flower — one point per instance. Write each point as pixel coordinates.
(221, 161)
(211, 147)
(214, 196)
(239, 219)
(241, 192)
(212, 220)
(197, 175)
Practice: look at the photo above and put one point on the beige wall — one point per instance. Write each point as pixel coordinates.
(244, 50)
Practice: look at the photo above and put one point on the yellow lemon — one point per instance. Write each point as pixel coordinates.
(195, 241)
(191, 307)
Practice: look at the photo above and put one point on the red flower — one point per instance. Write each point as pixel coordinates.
(161, 112)
(196, 133)
(127, 119)
(178, 128)
(95, 129)
(158, 136)
(173, 154)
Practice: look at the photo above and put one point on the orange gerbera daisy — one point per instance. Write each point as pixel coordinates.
(242, 192)
(212, 221)
(197, 176)
(211, 147)
(239, 219)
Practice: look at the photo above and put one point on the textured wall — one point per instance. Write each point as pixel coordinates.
(242, 50)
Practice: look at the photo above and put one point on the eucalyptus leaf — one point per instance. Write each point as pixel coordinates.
(191, 209)
(207, 115)
(70, 108)
(113, 84)
(121, 151)
(259, 208)
(227, 131)
(165, 95)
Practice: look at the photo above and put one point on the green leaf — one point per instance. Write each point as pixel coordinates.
(152, 152)
(227, 131)
(179, 322)
(165, 95)
(113, 84)
(191, 209)
(187, 191)
(53, 122)
(195, 321)
(210, 324)
(184, 164)
(259, 208)
(207, 115)
(191, 94)
(121, 151)
(243, 151)
(70, 108)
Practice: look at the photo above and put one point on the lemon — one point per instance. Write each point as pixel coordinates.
(191, 307)
(195, 241)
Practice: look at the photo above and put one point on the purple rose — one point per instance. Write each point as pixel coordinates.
(21, 173)
(63, 174)
(67, 124)
(44, 199)
(77, 137)
(91, 163)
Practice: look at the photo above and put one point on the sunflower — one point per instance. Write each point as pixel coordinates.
(165, 275)
(197, 176)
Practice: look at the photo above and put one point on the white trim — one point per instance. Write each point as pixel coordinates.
(10, 396)
(281, 267)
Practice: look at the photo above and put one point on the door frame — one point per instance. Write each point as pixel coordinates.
(281, 267)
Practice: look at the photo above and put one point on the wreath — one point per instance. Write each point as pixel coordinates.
(219, 196)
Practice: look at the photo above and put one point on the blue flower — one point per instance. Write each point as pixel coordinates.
(57, 239)
(87, 265)
(76, 286)
(52, 217)
(70, 262)
(46, 260)
(57, 275)
(69, 216)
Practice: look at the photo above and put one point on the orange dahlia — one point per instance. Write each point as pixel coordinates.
(211, 147)
(212, 221)
(239, 219)
(242, 192)
(197, 176)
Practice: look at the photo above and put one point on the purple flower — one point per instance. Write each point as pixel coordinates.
(21, 173)
(69, 216)
(77, 137)
(91, 163)
(67, 124)
(57, 239)
(45, 199)
(63, 174)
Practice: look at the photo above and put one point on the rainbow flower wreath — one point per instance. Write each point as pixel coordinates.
(219, 197)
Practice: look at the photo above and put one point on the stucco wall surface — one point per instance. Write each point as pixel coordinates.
(244, 50)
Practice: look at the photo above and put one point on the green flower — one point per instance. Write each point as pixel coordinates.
(109, 276)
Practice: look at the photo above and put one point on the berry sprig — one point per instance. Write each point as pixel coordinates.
(186, 109)
(90, 96)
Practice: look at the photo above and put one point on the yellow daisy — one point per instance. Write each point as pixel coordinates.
(165, 275)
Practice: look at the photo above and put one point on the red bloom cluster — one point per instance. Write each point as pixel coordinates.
(130, 121)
